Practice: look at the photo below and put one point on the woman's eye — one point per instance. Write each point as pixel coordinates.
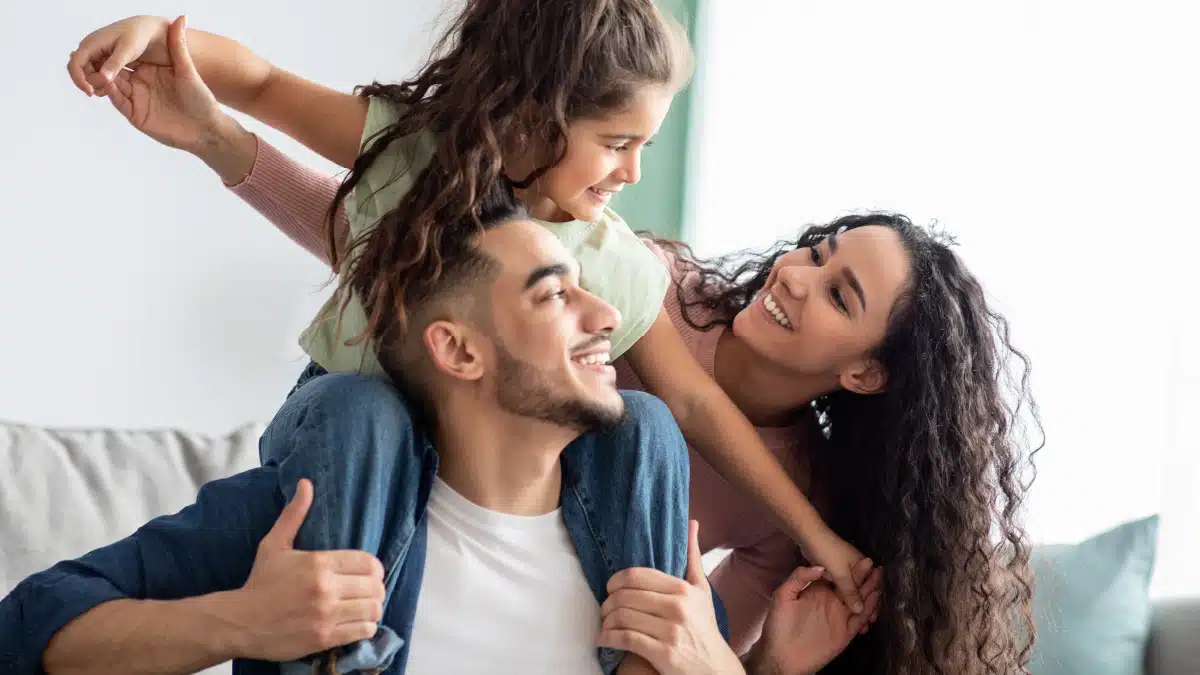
(836, 294)
(815, 255)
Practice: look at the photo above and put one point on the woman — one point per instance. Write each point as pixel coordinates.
(867, 356)
(868, 359)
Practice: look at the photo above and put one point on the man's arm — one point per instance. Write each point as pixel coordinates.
(148, 636)
(207, 548)
(181, 569)
(633, 664)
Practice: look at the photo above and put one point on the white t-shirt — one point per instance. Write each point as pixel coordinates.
(501, 594)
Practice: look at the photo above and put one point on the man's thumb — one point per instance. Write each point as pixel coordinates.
(283, 533)
(181, 59)
(695, 562)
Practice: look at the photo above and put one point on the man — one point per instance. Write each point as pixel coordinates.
(507, 521)
(492, 531)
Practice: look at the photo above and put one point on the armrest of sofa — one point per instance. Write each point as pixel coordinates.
(1174, 645)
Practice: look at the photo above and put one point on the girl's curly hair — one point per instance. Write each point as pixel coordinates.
(504, 73)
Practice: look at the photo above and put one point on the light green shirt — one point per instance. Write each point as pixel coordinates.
(616, 266)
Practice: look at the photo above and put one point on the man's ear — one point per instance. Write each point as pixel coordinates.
(867, 376)
(454, 349)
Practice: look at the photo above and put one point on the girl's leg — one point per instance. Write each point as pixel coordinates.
(354, 437)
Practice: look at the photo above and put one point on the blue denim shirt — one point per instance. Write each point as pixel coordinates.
(623, 506)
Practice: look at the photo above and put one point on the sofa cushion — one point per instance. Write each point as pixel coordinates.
(1091, 602)
(64, 492)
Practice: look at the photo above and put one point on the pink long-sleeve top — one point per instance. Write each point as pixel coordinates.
(296, 198)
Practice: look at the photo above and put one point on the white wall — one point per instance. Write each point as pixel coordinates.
(1058, 140)
(135, 290)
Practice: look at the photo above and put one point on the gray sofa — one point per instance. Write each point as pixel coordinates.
(64, 492)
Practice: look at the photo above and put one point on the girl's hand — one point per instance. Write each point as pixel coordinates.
(840, 561)
(105, 52)
(670, 622)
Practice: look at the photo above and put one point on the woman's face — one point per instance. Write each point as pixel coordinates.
(823, 309)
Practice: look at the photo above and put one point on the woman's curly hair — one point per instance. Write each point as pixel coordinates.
(928, 477)
(505, 74)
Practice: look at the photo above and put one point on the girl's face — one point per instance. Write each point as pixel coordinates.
(823, 309)
(603, 156)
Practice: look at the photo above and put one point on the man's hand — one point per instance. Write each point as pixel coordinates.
(669, 622)
(808, 624)
(106, 51)
(297, 603)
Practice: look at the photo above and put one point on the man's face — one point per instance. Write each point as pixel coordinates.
(549, 337)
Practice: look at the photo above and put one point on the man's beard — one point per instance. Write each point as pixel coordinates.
(524, 390)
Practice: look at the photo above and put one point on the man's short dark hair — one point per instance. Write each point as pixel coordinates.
(452, 276)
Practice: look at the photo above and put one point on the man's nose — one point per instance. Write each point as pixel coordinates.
(598, 315)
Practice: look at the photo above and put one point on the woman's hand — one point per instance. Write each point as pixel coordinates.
(670, 622)
(808, 624)
(172, 105)
(105, 52)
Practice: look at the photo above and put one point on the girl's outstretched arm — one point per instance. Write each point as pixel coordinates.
(718, 430)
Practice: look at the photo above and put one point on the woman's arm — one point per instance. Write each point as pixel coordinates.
(295, 198)
(174, 106)
(718, 430)
(327, 121)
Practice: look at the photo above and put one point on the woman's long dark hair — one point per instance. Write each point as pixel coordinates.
(505, 73)
(927, 478)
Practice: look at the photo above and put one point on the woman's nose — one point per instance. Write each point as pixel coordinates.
(796, 280)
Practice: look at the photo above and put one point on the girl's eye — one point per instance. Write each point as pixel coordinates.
(815, 255)
(558, 295)
(625, 146)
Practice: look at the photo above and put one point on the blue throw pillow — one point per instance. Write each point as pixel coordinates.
(1091, 602)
